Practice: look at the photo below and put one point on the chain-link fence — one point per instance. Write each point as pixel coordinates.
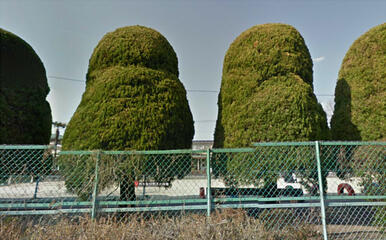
(337, 188)
(356, 192)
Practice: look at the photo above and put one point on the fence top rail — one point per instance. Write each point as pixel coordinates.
(232, 150)
(276, 144)
(24, 147)
(149, 152)
(324, 143)
(357, 143)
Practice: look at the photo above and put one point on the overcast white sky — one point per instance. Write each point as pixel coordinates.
(64, 34)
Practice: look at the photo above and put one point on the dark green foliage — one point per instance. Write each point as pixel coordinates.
(266, 51)
(267, 95)
(360, 92)
(131, 108)
(266, 90)
(134, 46)
(25, 115)
(360, 113)
(133, 101)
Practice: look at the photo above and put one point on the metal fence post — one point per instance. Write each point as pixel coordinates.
(322, 207)
(95, 190)
(208, 192)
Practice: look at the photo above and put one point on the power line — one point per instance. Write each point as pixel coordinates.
(189, 90)
(208, 91)
(67, 79)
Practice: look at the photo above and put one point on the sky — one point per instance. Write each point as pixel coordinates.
(65, 33)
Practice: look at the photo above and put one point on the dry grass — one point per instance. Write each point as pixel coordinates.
(230, 224)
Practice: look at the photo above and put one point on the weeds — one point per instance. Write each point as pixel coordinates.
(227, 224)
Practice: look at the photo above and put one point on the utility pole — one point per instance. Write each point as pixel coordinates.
(57, 125)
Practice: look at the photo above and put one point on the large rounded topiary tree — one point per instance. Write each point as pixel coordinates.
(133, 101)
(25, 115)
(266, 95)
(360, 92)
(360, 111)
(267, 90)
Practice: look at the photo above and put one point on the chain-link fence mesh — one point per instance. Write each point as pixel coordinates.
(355, 222)
(21, 171)
(277, 183)
(355, 189)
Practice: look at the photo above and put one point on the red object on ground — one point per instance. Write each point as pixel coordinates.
(202, 192)
(343, 186)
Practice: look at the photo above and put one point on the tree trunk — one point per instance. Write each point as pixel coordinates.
(127, 190)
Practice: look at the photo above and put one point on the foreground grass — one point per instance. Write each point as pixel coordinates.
(229, 224)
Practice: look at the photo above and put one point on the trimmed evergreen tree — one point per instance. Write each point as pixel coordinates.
(267, 90)
(359, 112)
(133, 101)
(25, 115)
(266, 95)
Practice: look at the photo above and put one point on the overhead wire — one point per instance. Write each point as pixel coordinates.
(188, 90)
(67, 79)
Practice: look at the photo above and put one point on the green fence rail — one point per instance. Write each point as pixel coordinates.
(337, 187)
